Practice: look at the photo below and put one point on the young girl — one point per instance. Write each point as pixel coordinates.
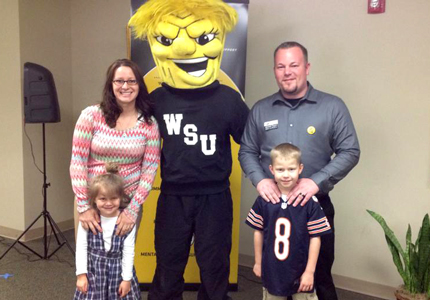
(104, 262)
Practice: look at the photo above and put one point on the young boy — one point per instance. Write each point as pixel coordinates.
(286, 238)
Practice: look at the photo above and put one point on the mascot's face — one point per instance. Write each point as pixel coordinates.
(187, 51)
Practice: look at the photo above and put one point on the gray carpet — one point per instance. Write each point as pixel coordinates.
(32, 278)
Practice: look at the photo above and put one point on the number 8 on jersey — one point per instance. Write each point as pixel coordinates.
(282, 234)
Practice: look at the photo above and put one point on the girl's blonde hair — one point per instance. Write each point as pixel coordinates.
(112, 183)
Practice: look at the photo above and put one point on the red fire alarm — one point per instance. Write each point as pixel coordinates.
(375, 6)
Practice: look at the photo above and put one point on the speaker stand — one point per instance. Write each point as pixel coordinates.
(46, 218)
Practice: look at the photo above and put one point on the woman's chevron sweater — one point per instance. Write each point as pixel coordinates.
(136, 150)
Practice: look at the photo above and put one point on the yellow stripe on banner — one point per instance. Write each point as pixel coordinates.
(145, 258)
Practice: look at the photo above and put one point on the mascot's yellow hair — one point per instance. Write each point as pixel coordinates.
(150, 14)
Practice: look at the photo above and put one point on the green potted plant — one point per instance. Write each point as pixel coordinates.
(413, 262)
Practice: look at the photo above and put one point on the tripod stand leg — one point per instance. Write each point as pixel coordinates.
(29, 249)
(46, 215)
(54, 227)
(22, 234)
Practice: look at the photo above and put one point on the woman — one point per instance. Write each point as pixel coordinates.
(122, 130)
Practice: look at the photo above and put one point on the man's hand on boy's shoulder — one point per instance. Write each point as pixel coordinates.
(268, 190)
(302, 192)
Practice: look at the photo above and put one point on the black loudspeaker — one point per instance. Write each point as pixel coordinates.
(40, 95)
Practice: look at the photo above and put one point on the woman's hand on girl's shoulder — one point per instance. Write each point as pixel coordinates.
(124, 224)
(90, 220)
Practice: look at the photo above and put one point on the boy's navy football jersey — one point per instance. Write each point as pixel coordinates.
(287, 231)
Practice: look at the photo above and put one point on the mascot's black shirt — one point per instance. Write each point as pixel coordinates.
(195, 125)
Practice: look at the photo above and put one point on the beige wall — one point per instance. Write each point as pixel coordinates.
(379, 65)
(11, 176)
(98, 38)
(39, 32)
(47, 41)
(68, 37)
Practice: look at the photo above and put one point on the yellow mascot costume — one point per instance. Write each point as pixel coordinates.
(197, 116)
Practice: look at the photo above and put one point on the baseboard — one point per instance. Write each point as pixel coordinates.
(33, 233)
(343, 282)
(246, 260)
(364, 287)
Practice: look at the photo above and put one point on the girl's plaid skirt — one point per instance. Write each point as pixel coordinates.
(104, 270)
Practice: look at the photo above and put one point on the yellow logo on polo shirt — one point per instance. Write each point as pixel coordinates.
(311, 130)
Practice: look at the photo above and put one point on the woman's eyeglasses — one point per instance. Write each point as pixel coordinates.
(120, 82)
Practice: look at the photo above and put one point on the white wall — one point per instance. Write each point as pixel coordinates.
(379, 65)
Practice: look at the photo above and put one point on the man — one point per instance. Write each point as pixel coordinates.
(197, 116)
(316, 122)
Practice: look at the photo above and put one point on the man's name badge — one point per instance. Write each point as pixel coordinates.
(269, 125)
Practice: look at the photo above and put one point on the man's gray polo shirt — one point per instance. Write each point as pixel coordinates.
(319, 124)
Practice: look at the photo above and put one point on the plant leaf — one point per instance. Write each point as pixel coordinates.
(398, 263)
(423, 251)
(411, 260)
(395, 248)
(413, 264)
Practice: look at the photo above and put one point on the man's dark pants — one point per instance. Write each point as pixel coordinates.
(209, 218)
(323, 279)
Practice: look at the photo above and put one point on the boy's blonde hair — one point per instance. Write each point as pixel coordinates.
(149, 15)
(286, 151)
(112, 184)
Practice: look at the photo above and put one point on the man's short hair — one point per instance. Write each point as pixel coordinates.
(286, 151)
(292, 44)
